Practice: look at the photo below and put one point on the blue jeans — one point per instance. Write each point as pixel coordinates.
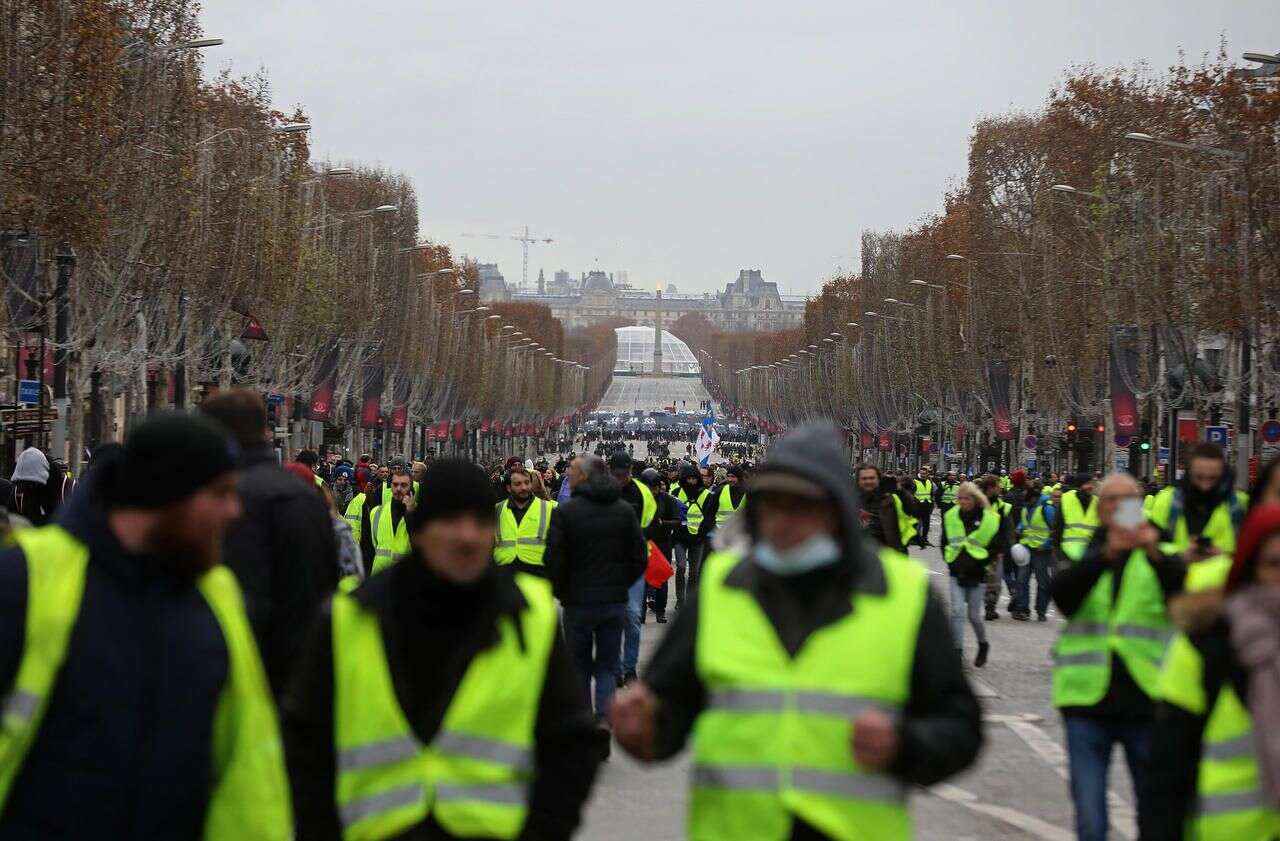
(1041, 566)
(599, 626)
(631, 637)
(1089, 742)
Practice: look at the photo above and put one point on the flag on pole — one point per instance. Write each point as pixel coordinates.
(707, 439)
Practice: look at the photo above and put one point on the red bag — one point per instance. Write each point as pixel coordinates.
(659, 569)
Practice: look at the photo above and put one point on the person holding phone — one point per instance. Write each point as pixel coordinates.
(1201, 514)
(1107, 659)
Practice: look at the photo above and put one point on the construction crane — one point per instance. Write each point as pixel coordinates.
(525, 241)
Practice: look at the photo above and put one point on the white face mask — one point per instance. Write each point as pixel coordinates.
(818, 551)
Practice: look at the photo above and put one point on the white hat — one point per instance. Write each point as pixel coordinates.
(1021, 554)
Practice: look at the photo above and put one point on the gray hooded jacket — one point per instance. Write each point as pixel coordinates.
(940, 729)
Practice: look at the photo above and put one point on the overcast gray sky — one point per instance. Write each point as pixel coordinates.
(682, 141)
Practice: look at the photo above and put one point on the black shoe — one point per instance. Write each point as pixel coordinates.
(992, 615)
(981, 659)
(662, 619)
(604, 740)
(1021, 616)
(1040, 617)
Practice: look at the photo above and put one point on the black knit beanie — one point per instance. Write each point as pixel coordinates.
(453, 486)
(166, 459)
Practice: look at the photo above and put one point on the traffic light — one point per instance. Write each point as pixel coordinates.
(1144, 437)
(1101, 427)
(1144, 445)
(1072, 428)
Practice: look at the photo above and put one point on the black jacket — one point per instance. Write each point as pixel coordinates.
(125, 747)
(283, 552)
(940, 731)
(595, 550)
(1071, 586)
(432, 630)
(879, 519)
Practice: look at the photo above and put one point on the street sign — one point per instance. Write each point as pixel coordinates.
(1216, 435)
(933, 447)
(946, 448)
(1124, 441)
(1122, 459)
(1162, 454)
(1271, 432)
(1031, 464)
(29, 392)
(1030, 443)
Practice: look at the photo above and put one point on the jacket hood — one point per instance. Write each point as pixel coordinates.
(31, 466)
(599, 488)
(815, 452)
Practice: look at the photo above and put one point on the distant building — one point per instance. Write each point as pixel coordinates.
(748, 303)
(493, 287)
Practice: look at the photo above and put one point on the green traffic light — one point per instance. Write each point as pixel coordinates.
(1144, 446)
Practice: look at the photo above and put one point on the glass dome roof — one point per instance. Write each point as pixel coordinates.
(635, 353)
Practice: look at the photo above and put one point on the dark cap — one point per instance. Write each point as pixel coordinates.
(166, 459)
(619, 459)
(452, 487)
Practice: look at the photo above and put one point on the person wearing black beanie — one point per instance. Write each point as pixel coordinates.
(442, 617)
(128, 646)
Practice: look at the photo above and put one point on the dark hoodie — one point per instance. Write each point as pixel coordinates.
(595, 550)
(940, 728)
(432, 630)
(125, 747)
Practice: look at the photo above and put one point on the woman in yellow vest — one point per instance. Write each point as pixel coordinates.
(1214, 776)
(969, 529)
(437, 700)
(795, 713)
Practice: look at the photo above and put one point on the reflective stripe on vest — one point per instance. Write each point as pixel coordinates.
(924, 490)
(352, 515)
(473, 778)
(725, 509)
(1035, 529)
(390, 541)
(1166, 514)
(1134, 627)
(773, 741)
(693, 520)
(248, 791)
(906, 523)
(949, 490)
(974, 542)
(648, 505)
(1078, 525)
(1229, 802)
(526, 541)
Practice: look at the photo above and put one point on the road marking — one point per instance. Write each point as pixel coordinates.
(1123, 818)
(981, 689)
(1033, 826)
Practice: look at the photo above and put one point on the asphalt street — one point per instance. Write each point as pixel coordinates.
(1017, 790)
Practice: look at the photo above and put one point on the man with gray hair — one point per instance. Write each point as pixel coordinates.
(1107, 659)
(595, 551)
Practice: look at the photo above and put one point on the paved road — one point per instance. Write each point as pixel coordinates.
(650, 394)
(1016, 791)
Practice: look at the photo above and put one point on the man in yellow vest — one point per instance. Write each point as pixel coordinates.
(1213, 770)
(1201, 514)
(924, 492)
(636, 494)
(691, 546)
(523, 521)
(134, 702)
(816, 674)
(1075, 529)
(388, 536)
(729, 497)
(437, 700)
(1107, 658)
